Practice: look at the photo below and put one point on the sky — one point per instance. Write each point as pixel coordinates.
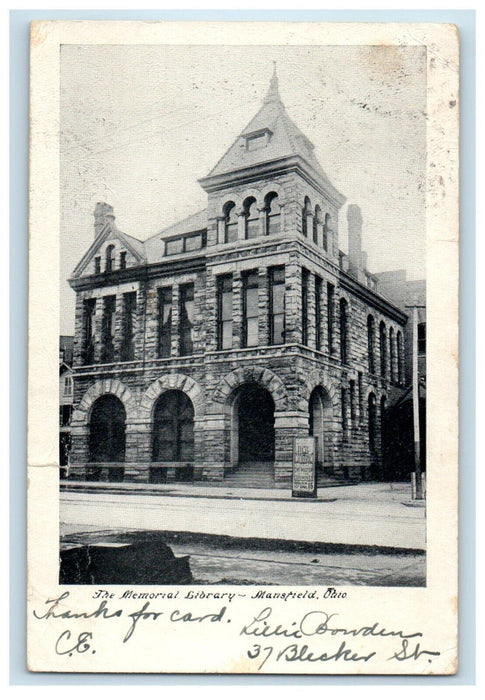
(141, 124)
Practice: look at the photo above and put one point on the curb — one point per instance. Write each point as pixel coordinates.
(265, 544)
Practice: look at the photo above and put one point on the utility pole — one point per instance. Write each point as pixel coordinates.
(415, 392)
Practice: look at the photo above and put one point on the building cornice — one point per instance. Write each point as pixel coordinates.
(372, 298)
(294, 163)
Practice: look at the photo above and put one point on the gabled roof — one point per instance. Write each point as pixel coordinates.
(110, 232)
(285, 139)
(194, 222)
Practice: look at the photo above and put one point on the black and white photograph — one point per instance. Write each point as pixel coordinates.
(243, 262)
(243, 360)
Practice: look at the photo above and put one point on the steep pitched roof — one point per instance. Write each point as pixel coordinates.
(194, 222)
(110, 231)
(285, 138)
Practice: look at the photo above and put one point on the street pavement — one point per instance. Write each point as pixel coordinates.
(368, 515)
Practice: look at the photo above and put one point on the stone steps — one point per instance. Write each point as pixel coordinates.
(254, 475)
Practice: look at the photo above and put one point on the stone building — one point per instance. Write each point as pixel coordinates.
(66, 396)
(202, 352)
(398, 457)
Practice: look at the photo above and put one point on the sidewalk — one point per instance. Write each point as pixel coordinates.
(362, 515)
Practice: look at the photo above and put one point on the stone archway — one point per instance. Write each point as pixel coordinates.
(257, 375)
(180, 382)
(114, 387)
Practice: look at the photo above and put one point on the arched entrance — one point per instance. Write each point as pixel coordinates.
(252, 436)
(255, 415)
(107, 437)
(173, 436)
(320, 424)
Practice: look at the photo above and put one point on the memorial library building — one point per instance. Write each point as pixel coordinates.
(201, 353)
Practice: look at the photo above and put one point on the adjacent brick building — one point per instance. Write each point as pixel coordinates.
(202, 352)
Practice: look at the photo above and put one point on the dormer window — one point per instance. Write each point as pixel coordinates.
(110, 255)
(257, 139)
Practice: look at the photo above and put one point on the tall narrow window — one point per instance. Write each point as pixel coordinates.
(97, 265)
(89, 337)
(326, 229)
(250, 310)
(392, 370)
(343, 331)
(421, 339)
(361, 396)
(400, 368)
(277, 306)
(383, 348)
(318, 313)
(164, 321)
(352, 399)
(304, 306)
(273, 214)
(123, 260)
(343, 395)
(186, 318)
(230, 222)
(304, 216)
(224, 312)
(108, 331)
(330, 316)
(251, 218)
(371, 414)
(129, 314)
(370, 344)
(316, 222)
(110, 256)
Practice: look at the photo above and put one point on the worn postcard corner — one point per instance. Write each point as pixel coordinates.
(243, 343)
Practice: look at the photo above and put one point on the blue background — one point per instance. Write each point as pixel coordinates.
(19, 100)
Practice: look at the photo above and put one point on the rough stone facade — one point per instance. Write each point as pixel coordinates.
(324, 390)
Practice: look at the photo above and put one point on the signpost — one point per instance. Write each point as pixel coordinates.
(304, 483)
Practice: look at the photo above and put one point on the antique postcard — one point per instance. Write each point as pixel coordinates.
(243, 348)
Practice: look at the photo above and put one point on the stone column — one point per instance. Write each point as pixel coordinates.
(79, 338)
(263, 306)
(199, 447)
(98, 329)
(288, 425)
(79, 454)
(311, 310)
(206, 324)
(138, 450)
(221, 229)
(175, 349)
(262, 221)
(241, 225)
(118, 334)
(293, 301)
(148, 324)
(210, 445)
(309, 226)
(237, 310)
(320, 235)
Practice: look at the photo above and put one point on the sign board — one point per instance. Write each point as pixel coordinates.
(304, 482)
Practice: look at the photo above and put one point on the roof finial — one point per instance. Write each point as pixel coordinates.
(273, 94)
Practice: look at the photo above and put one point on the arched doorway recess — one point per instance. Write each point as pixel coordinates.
(252, 435)
(173, 436)
(107, 438)
(320, 425)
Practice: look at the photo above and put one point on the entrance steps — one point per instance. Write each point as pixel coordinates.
(251, 475)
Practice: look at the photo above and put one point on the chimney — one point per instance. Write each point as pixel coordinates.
(103, 214)
(354, 219)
